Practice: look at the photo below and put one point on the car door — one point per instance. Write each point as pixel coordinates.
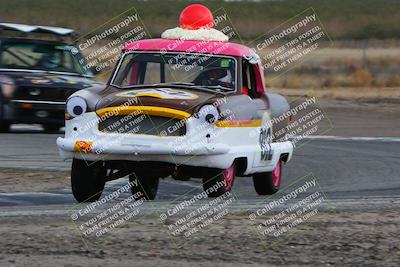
(263, 137)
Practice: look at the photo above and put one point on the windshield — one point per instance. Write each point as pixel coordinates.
(186, 69)
(40, 56)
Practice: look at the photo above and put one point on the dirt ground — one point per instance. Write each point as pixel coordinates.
(340, 238)
(20, 180)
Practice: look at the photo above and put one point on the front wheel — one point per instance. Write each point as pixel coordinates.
(221, 183)
(268, 183)
(4, 126)
(144, 187)
(87, 180)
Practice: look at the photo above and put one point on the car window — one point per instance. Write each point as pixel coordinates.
(152, 73)
(38, 56)
(198, 70)
(248, 78)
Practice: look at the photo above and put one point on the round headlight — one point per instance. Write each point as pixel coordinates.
(76, 106)
(208, 113)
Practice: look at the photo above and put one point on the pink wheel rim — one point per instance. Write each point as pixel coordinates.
(229, 175)
(276, 174)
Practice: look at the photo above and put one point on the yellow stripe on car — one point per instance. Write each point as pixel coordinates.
(239, 123)
(148, 110)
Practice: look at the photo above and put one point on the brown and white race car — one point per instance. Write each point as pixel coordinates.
(193, 108)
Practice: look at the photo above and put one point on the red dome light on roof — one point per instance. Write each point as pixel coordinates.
(195, 17)
(196, 22)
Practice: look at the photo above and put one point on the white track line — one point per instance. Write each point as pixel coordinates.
(237, 207)
(343, 138)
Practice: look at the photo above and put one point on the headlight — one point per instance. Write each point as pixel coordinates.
(208, 113)
(7, 86)
(76, 106)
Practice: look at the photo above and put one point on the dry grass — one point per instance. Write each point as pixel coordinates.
(343, 67)
(360, 77)
(350, 19)
(393, 81)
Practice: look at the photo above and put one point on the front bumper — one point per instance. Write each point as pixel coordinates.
(155, 148)
(210, 147)
(32, 111)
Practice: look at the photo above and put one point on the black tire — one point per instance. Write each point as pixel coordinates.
(220, 182)
(4, 126)
(264, 182)
(51, 128)
(146, 187)
(87, 180)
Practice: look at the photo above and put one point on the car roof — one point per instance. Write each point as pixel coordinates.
(36, 28)
(207, 47)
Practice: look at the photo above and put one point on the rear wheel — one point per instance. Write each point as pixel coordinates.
(87, 180)
(144, 187)
(220, 183)
(268, 183)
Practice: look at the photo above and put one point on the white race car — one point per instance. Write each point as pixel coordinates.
(177, 108)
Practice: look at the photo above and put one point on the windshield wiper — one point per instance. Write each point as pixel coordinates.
(216, 87)
(179, 83)
(160, 84)
(211, 88)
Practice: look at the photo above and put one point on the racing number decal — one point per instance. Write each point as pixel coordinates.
(265, 143)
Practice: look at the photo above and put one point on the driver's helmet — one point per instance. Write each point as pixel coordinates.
(222, 75)
(51, 60)
(227, 78)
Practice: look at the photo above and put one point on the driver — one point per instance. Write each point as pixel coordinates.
(215, 76)
(50, 60)
(227, 79)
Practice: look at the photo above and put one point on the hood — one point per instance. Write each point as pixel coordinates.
(45, 79)
(188, 100)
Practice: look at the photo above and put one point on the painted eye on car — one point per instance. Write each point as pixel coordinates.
(209, 114)
(76, 106)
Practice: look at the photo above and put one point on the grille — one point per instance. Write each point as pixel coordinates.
(43, 93)
(143, 124)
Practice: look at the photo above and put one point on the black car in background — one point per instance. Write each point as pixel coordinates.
(37, 76)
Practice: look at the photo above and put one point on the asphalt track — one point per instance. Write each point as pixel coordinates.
(348, 170)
